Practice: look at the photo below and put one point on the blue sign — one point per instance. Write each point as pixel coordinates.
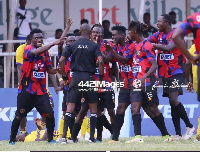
(8, 106)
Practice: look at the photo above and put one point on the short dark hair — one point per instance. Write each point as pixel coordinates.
(105, 21)
(70, 34)
(28, 37)
(140, 27)
(84, 21)
(119, 28)
(172, 13)
(98, 25)
(146, 14)
(76, 31)
(35, 31)
(58, 30)
(167, 18)
(77, 34)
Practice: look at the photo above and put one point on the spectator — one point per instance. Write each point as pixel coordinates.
(58, 34)
(84, 21)
(23, 20)
(150, 30)
(106, 26)
(175, 24)
(76, 31)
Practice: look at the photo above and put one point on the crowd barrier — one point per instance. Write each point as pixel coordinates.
(8, 97)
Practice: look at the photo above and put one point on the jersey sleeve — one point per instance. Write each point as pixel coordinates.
(186, 27)
(148, 48)
(67, 51)
(192, 50)
(47, 60)
(129, 52)
(19, 54)
(27, 52)
(153, 38)
(97, 51)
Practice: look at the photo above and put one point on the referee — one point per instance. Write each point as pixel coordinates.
(83, 65)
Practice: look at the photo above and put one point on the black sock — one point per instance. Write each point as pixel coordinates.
(50, 123)
(93, 122)
(14, 129)
(75, 131)
(176, 121)
(119, 120)
(137, 124)
(107, 125)
(180, 110)
(71, 125)
(67, 121)
(160, 123)
(99, 126)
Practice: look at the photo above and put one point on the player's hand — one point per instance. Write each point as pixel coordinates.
(57, 42)
(190, 87)
(195, 59)
(57, 89)
(142, 81)
(127, 39)
(108, 47)
(69, 23)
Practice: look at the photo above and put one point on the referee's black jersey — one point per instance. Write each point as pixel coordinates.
(84, 53)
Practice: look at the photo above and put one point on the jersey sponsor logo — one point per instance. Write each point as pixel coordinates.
(39, 66)
(166, 57)
(198, 18)
(82, 47)
(137, 69)
(125, 68)
(38, 74)
(97, 70)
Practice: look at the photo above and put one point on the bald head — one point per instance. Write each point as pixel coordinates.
(85, 29)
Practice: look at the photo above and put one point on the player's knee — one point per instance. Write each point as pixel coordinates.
(50, 115)
(135, 108)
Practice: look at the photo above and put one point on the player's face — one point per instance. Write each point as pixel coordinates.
(37, 40)
(116, 37)
(96, 33)
(132, 33)
(70, 39)
(146, 19)
(161, 24)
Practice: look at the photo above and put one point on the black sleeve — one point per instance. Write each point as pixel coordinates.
(97, 51)
(67, 51)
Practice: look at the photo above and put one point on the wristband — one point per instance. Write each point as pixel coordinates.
(100, 77)
(65, 77)
(61, 79)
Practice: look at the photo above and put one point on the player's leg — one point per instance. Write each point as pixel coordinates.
(123, 103)
(23, 107)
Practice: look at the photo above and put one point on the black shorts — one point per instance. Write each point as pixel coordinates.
(65, 100)
(147, 96)
(106, 100)
(77, 89)
(173, 84)
(26, 102)
(124, 95)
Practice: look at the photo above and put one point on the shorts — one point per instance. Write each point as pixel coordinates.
(173, 84)
(106, 100)
(124, 95)
(76, 89)
(147, 96)
(26, 102)
(65, 100)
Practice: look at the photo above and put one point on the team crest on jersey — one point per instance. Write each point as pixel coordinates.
(138, 53)
(43, 57)
(198, 18)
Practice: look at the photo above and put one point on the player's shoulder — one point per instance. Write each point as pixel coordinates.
(147, 45)
(28, 47)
